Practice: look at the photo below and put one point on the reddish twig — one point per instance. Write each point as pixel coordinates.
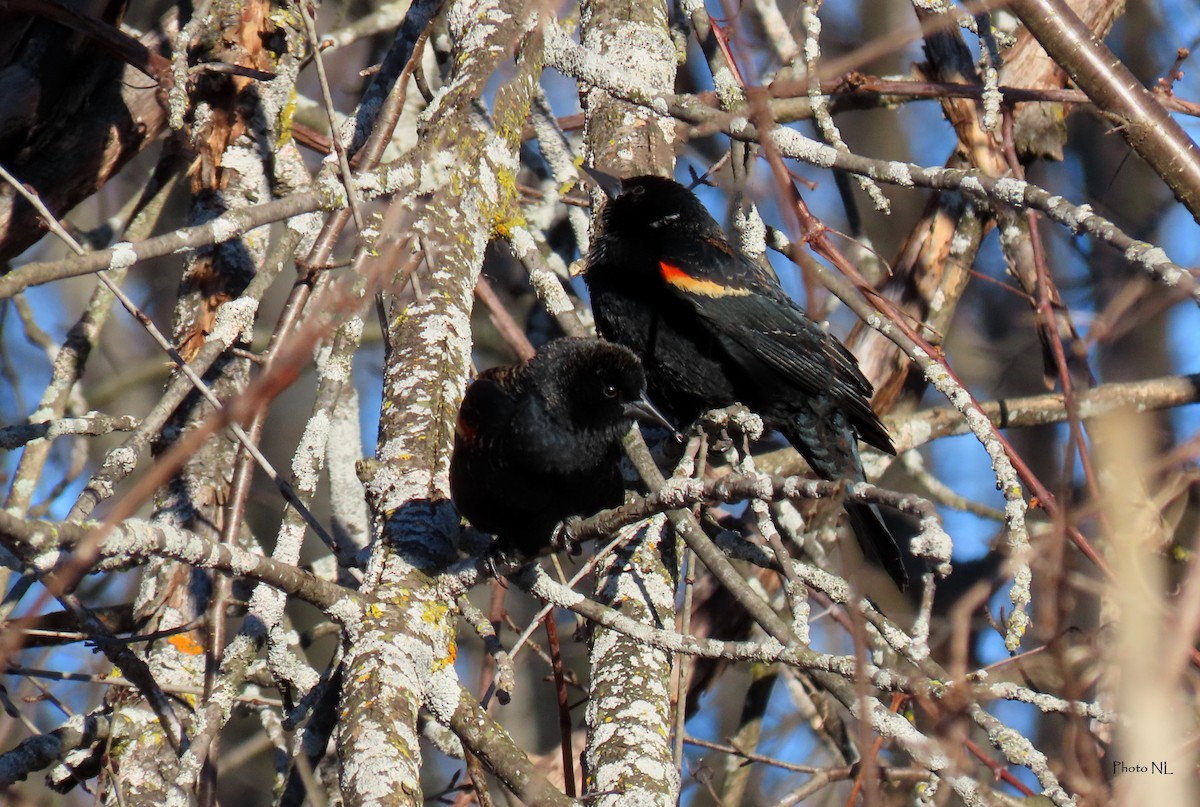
(564, 707)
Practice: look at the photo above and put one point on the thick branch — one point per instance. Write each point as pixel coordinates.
(1145, 125)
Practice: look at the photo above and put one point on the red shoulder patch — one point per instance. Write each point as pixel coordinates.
(463, 429)
(692, 285)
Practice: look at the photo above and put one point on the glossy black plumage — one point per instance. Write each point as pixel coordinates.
(539, 441)
(713, 328)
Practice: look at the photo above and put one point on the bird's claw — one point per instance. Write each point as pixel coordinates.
(499, 563)
(564, 537)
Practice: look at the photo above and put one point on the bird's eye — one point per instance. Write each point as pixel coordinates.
(610, 390)
(637, 190)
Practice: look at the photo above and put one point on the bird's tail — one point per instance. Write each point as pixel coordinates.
(828, 444)
(877, 541)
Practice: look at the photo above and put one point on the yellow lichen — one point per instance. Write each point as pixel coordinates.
(435, 613)
(286, 116)
(448, 659)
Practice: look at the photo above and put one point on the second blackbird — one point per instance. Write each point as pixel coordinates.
(713, 328)
(539, 441)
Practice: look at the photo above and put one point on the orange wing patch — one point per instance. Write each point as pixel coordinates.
(692, 285)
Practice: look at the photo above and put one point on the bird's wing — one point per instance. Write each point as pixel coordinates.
(487, 404)
(760, 326)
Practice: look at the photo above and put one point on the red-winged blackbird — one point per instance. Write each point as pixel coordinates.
(539, 441)
(713, 328)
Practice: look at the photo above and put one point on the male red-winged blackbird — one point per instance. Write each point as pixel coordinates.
(539, 441)
(713, 328)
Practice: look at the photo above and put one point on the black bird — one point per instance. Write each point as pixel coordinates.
(539, 441)
(713, 328)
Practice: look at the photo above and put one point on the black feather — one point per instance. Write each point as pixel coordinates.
(540, 441)
(712, 328)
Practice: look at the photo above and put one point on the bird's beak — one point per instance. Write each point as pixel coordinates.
(643, 410)
(609, 184)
